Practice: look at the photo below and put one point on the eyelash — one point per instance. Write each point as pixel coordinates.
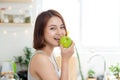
(53, 28)
(62, 27)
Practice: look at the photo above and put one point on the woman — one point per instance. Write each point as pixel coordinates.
(49, 28)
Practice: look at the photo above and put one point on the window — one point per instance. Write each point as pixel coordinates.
(100, 24)
(92, 24)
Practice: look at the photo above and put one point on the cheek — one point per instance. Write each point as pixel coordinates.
(65, 33)
(50, 33)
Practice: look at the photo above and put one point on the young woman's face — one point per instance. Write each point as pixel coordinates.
(53, 31)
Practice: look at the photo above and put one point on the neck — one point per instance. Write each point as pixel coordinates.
(48, 50)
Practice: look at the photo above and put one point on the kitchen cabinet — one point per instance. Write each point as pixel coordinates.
(15, 24)
(16, 13)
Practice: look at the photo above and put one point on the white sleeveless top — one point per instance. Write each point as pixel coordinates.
(53, 61)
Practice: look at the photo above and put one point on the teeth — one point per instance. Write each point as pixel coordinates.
(56, 38)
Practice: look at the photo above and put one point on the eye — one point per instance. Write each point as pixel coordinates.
(62, 27)
(52, 28)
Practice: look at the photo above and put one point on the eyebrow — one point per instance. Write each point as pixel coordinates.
(52, 25)
(55, 25)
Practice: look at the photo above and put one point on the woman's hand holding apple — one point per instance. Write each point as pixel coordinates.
(67, 48)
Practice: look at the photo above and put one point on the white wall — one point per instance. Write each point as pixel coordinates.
(13, 38)
(13, 42)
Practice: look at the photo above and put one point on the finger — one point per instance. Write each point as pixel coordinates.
(72, 45)
(61, 47)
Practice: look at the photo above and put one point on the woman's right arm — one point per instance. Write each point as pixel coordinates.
(66, 54)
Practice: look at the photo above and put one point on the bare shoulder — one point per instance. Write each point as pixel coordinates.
(42, 68)
(39, 58)
(38, 64)
(39, 61)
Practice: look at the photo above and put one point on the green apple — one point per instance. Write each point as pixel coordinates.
(65, 41)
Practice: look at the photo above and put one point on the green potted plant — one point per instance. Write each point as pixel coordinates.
(23, 61)
(115, 69)
(91, 75)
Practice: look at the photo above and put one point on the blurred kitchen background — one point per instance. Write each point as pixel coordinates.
(94, 25)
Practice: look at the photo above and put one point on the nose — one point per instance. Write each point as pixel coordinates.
(59, 32)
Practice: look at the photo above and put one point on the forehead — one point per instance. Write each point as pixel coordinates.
(55, 20)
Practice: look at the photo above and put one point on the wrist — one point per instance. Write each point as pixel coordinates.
(64, 60)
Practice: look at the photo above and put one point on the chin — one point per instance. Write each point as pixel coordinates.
(57, 45)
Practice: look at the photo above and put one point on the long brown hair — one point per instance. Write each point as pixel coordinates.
(40, 24)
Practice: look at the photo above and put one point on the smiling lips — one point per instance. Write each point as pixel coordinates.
(56, 38)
